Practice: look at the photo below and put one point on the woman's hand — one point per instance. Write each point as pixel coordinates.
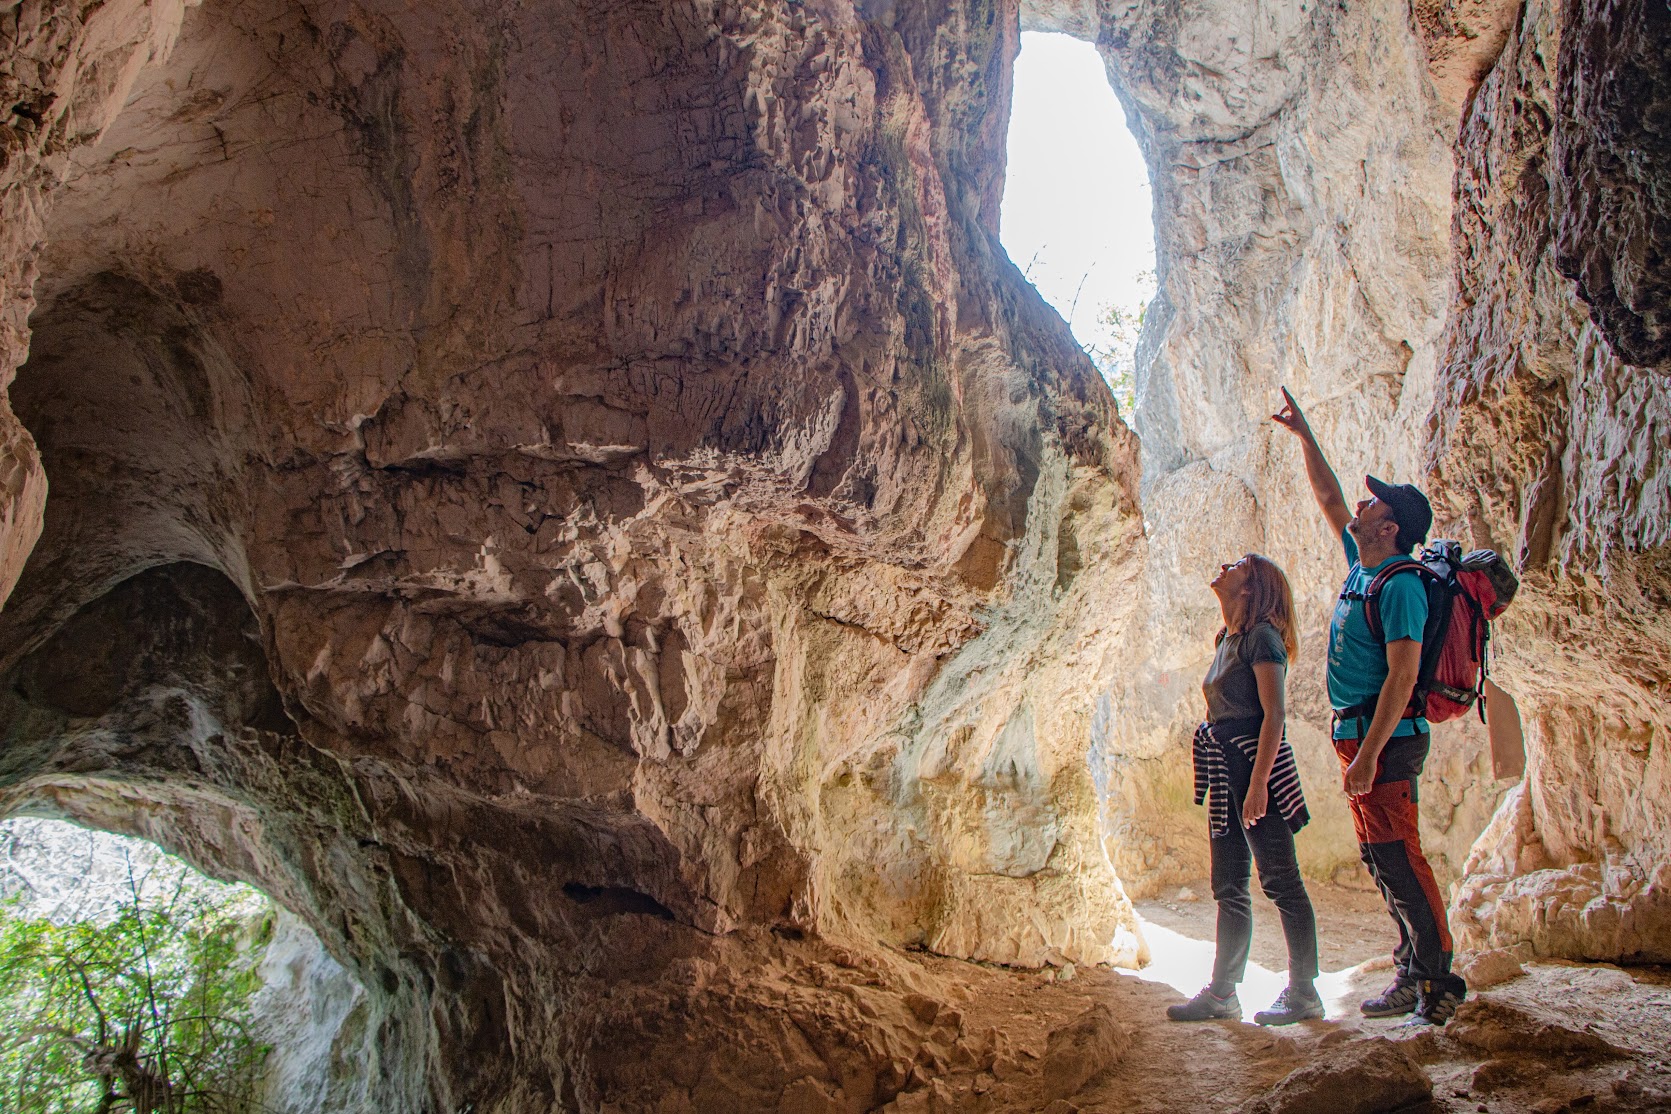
(1254, 804)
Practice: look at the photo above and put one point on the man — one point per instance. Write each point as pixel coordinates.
(1381, 742)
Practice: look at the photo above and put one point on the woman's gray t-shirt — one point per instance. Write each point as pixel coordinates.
(1232, 691)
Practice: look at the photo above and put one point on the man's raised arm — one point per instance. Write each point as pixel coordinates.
(1324, 485)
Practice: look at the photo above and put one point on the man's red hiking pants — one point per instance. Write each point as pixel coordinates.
(1388, 839)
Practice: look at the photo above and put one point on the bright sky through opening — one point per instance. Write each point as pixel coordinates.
(1077, 215)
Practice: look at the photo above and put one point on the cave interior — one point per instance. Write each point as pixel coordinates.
(573, 501)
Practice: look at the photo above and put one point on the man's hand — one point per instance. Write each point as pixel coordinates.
(1254, 804)
(1290, 417)
(1324, 486)
(1360, 777)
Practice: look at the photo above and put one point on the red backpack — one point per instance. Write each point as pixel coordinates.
(1464, 593)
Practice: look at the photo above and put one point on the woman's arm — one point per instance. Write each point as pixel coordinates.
(1269, 677)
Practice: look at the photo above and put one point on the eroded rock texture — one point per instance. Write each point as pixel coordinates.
(572, 499)
(537, 487)
(1550, 445)
(1610, 146)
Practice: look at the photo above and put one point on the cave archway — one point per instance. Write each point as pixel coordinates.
(224, 993)
(140, 692)
(1077, 216)
(149, 712)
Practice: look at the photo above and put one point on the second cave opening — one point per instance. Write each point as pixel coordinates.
(1077, 212)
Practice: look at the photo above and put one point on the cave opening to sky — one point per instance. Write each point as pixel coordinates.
(1077, 216)
(132, 979)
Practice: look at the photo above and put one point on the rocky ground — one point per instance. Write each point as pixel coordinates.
(1561, 1036)
(1536, 1036)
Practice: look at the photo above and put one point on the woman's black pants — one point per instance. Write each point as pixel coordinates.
(1270, 844)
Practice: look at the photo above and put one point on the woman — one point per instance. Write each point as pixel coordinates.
(1245, 770)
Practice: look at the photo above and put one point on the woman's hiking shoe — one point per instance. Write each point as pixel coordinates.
(1291, 1006)
(1207, 1006)
(1436, 1006)
(1399, 997)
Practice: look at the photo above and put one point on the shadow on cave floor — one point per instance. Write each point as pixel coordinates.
(1545, 1036)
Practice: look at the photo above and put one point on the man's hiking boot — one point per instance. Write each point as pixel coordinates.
(1290, 1006)
(1207, 1006)
(1399, 997)
(1435, 1007)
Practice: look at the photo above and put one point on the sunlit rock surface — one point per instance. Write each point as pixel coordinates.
(1302, 170)
(320, 1022)
(573, 501)
(602, 485)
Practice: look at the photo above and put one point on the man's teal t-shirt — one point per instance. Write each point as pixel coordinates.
(1357, 660)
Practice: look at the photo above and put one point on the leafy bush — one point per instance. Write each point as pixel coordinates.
(1116, 355)
(144, 1008)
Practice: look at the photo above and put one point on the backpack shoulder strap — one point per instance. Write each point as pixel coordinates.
(1371, 596)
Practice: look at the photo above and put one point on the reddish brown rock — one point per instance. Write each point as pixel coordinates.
(1612, 150)
(532, 489)
(1463, 40)
(1502, 1028)
(1371, 1075)
(1082, 1050)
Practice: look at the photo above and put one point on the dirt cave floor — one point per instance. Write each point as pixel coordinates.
(1534, 1036)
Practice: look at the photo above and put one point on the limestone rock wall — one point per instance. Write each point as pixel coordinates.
(328, 1052)
(1302, 171)
(572, 501)
(1610, 147)
(1549, 444)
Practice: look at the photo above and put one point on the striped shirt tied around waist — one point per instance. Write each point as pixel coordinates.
(1212, 774)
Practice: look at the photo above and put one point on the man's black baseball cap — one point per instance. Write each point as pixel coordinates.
(1410, 509)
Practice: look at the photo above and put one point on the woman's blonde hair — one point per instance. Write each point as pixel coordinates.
(1270, 600)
